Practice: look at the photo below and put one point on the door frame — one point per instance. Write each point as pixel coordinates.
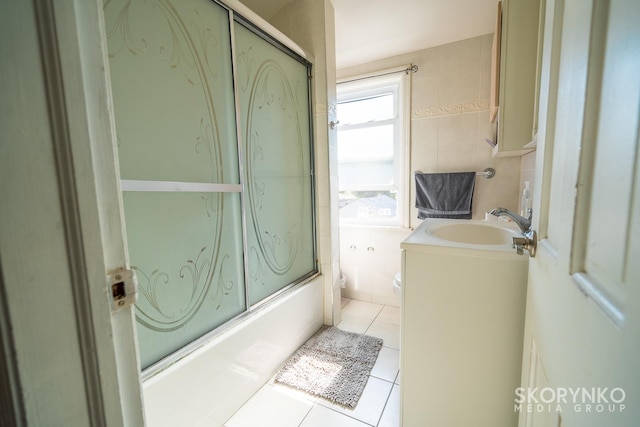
(73, 76)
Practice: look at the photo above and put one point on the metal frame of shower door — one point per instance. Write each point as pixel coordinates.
(233, 18)
(243, 205)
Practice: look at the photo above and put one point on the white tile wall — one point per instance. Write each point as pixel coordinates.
(310, 23)
(370, 258)
(527, 172)
(449, 125)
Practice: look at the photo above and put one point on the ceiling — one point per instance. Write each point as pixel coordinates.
(367, 30)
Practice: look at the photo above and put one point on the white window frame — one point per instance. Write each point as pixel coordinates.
(398, 82)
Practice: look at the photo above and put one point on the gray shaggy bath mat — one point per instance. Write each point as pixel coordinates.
(333, 364)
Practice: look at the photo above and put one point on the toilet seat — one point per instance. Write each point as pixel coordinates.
(397, 280)
(397, 286)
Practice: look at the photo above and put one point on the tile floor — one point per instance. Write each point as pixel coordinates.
(276, 405)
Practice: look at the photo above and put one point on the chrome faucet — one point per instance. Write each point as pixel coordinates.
(530, 239)
(523, 223)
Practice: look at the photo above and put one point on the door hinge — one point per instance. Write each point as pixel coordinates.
(124, 289)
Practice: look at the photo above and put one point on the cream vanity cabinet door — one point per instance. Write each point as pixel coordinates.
(516, 79)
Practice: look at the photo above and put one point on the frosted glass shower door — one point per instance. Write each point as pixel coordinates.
(208, 241)
(171, 73)
(275, 128)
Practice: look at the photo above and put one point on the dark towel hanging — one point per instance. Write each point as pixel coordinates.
(444, 195)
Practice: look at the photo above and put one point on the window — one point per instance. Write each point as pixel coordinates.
(372, 150)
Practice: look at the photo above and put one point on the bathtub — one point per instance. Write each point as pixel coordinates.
(209, 385)
(462, 327)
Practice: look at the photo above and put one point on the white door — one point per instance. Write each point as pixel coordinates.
(582, 336)
(65, 357)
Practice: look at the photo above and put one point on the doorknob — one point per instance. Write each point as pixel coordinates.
(528, 242)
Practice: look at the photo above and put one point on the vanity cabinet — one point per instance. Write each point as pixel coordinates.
(514, 76)
(463, 307)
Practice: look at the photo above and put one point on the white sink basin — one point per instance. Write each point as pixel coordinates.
(473, 233)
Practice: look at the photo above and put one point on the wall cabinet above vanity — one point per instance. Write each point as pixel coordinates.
(514, 76)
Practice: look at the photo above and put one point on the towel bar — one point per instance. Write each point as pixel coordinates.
(487, 173)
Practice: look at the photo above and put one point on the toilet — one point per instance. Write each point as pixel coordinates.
(397, 286)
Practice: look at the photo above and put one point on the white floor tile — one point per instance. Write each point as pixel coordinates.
(271, 408)
(212, 420)
(390, 315)
(354, 323)
(362, 309)
(391, 415)
(387, 364)
(344, 301)
(291, 391)
(371, 402)
(390, 334)
(321, 416)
